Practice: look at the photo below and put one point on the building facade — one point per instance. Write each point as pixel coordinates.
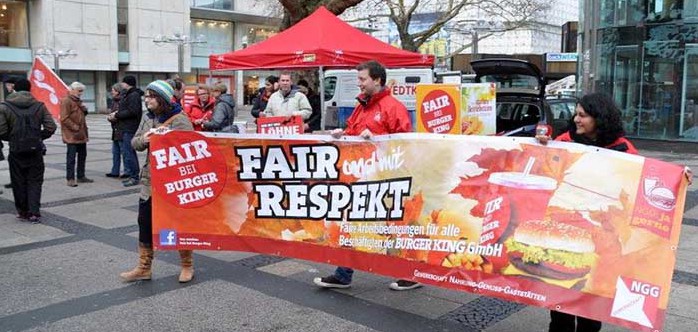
(116, 38)
(645, 54)
(542, 35)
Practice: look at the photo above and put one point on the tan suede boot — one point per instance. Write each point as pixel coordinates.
(187, 266)
(142, 270)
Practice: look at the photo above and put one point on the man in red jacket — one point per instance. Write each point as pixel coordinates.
(378, 113)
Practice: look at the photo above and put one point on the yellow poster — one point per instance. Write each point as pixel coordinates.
(437, 108)
(478, 111)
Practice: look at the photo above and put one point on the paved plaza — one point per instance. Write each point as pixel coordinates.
(63, 274)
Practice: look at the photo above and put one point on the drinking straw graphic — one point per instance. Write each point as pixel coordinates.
(529, 166)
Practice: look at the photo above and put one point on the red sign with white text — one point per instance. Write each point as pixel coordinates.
(280, 125)
(47, 87)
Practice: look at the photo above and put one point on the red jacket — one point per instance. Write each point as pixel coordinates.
(622, 144)
(196, 112)
(381, 114)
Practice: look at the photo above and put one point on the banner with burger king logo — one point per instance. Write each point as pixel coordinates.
(578, 229)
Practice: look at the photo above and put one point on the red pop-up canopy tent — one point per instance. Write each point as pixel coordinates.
(319, 40)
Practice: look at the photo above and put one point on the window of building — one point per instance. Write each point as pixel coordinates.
(122, 24)
(13, 24)
(218, 36)
(622, 12)
(213, 4)
(258, 34)
(88, 79)
(664, 10)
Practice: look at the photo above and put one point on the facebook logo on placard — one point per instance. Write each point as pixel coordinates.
(168, 237)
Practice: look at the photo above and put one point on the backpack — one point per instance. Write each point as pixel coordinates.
(26, 131)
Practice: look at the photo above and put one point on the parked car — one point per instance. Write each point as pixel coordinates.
(562, 108)
(521, 102)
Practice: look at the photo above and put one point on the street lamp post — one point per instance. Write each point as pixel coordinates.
(57, 56)
(181, 40)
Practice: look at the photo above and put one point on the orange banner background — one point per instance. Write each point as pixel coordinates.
(462, 212)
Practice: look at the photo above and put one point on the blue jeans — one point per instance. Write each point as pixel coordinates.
(81, 151)
(116, 157)
(343, 274)
(131, 167)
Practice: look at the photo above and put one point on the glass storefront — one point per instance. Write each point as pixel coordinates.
(646, 56)
(218, 36)
(212, 4)
(14, 31)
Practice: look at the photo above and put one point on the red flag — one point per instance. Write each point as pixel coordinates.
(47, 87)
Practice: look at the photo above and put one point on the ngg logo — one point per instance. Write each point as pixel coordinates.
(168, 237)
(644, 289)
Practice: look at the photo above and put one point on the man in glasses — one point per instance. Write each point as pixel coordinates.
(128, 118)
(74, 131)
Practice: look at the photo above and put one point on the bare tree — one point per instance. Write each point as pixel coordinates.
(510, 14)
(296, 10)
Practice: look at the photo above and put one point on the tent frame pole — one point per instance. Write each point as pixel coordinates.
(321, 85)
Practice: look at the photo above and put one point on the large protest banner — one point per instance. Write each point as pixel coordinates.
(574, 228)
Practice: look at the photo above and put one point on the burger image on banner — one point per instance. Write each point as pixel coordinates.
(552, 250)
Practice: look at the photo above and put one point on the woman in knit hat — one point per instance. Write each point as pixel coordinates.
(162, 112)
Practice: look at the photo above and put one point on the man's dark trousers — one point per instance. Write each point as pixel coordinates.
(27, 178)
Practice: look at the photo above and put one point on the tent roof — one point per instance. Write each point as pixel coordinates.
(321, 39)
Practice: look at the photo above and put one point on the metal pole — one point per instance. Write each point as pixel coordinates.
(180, 59)
(321, 85)
(473, 46)
(56, 60)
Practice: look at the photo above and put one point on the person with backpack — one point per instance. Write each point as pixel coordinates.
(74, 132)
(25, 123)
(223, 112)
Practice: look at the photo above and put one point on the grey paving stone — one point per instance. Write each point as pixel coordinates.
(680, 323)
(413, 301)
(61, 192)
(36, 278)
(104, 213)
(482, 312)
(286, 268)
(226, 256)
(536, 319)
(14, 232)
(449, 294)
(210, 306)
(683, 301)
(686, 258)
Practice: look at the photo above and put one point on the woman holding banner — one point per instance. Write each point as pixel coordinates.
(597, 122)
(162, 113)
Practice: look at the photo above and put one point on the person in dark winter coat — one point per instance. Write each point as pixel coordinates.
(26, 168)
(259, 104)
(223, 112)
(313, 122)
(128, 119)
(117, 91)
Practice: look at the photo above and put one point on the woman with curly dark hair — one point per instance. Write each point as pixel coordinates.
(596, 122)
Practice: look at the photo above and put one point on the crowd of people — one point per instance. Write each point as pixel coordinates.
(25, 123)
